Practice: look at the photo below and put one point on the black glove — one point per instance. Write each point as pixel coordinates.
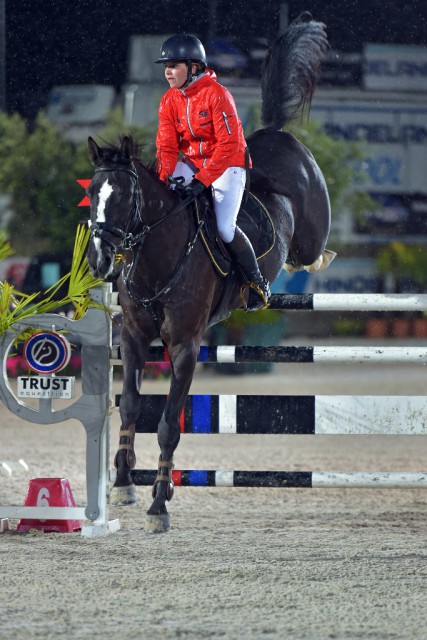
(192, 189)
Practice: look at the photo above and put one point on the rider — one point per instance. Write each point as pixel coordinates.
(198, 117)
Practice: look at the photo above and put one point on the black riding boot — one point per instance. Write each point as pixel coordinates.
(241, 250)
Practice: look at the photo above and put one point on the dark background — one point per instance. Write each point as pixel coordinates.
(52, 42)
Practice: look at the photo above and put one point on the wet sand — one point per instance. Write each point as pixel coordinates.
(247, 563)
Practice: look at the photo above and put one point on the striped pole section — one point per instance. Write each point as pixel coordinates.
(350, 302)
(287, 479)
(292, 415)
(329, 354)
(339, 302)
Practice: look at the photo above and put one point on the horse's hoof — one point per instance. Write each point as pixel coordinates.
(157, 524)
(123, 496)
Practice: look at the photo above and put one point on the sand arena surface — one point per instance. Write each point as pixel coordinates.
(238, 563)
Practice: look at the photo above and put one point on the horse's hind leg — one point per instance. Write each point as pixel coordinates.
(312, 224)
(133, 354)
(183, 361)
(322, 262)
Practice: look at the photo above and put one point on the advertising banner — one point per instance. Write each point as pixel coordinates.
(395, 67)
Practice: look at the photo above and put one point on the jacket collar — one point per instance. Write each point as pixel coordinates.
(207, 77)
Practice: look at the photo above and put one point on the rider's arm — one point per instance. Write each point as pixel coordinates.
(167, 139)
(230, 144)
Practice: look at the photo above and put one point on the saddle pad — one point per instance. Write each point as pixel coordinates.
(256, 222)
(253, 219)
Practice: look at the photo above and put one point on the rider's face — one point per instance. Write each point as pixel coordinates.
(176, 73)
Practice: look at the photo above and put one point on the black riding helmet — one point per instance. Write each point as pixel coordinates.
(183, 48)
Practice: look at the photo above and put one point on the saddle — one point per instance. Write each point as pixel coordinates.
(254, 220)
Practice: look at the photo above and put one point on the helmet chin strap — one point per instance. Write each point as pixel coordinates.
(190, 71)
(189, 74)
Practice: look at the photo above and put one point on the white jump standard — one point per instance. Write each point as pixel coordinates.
(92, 409)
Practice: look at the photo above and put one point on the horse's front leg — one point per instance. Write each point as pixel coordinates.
(133, 353)
(183, 359)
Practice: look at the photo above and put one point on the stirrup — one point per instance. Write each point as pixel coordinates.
(263, 296)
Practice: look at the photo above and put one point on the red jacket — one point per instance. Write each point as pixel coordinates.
(201, 121)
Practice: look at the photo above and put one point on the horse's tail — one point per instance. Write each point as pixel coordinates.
(291, 71)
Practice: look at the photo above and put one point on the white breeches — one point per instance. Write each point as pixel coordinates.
(227, 193)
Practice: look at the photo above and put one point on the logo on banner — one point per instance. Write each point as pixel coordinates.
(47, 352)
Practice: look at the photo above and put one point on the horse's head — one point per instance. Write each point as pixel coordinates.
(115, 201)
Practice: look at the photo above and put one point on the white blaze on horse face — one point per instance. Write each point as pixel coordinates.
(104, 193)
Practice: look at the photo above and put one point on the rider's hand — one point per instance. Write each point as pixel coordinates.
(192, 189)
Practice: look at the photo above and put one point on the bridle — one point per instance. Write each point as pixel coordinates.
(129, 239)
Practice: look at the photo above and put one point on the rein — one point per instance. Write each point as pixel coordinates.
(130, 239)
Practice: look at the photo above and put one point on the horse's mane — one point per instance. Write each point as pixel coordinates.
(112, 153)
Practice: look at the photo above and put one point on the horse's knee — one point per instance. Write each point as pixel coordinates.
(168, 436)
(129, 407)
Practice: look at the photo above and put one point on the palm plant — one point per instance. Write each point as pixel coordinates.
(15, 306)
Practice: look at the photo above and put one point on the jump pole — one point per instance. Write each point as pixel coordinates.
(291, 415)
(328, 415)
(338, 302)
(290, 354)
(285, 479)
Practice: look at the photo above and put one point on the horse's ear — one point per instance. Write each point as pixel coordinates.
(95, 152)
(126, 148)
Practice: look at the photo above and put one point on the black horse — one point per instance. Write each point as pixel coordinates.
(169, 287)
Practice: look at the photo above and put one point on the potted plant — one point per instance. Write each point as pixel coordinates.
(376, 327)
(407, 266)
(348, 327)
(263, 329)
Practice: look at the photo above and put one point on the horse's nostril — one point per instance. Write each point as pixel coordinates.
(104, 265)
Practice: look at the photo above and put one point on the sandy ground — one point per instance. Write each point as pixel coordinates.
(238, 563)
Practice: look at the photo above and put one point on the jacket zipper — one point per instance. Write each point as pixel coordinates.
(192, 132)
(224, 115)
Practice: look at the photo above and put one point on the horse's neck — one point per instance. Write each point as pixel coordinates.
(157, 199)
(165, 244)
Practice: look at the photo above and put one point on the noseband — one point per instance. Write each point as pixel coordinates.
(128, 239)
